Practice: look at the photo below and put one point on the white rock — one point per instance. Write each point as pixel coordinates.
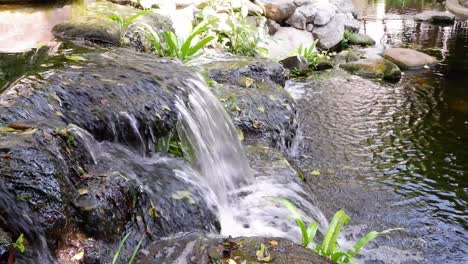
(331, 34)
(286, 41)
(324, 12)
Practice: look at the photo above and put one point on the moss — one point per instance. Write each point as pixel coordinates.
(379, 69)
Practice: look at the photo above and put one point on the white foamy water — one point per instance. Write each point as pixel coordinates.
(245, 203)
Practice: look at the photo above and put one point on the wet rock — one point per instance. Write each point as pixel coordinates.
(97, 27)
(95, 95)
(287, 40)
(200, 248)
(331, 34)
(5, 242)
(302, 16)
(408, 58)
(435, 16)
(359, 39)
(238, 70)
(277, 10)
(55, 176)
(374, 68)
(295, 62)
(464, 3)
(325, 11)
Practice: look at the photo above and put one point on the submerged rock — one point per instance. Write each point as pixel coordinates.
(408, 58)
(435, 16)
(200, 248)
(374, 68)
(97, 26)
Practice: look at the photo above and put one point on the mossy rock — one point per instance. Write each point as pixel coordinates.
(95, 25)
(359, 39)
(200, 248)
(374, 68)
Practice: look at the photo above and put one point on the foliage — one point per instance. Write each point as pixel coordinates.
(233, 30)
(169, 45)
(330, 247)
(345, 42)
(19, 244)
(119, 249)
(124, 23)
(312, 55)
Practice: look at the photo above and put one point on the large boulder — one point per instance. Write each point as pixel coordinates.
(464, 3)
(277, 10)
(286, 41)
(201, 248)
(57, 177)
(97, 26)
(374, 68)
(435, 16)
(252, 94)
(457, 7)
(325, 11)
(408, 58)
(330, 34)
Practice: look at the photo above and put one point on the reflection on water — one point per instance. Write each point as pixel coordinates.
(395, 155)
(24, 28)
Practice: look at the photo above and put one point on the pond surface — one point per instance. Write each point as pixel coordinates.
(396, 155)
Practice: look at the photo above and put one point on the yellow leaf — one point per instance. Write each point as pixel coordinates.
(263, 255)
(315, 172)
(261, 109)
(78, 256)
(273, 242)
(83, 191)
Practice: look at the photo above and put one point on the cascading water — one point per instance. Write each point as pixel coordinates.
(245, 196)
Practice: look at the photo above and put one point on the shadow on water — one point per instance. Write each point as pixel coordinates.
(394, 155)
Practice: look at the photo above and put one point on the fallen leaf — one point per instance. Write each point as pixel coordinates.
(78, 256)
(83, 191)
(183, 195)
(261, 109)
(315, 172)
(262, 254)
(273, 242)
(75, 58)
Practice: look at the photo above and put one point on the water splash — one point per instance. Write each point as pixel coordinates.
(245, 203)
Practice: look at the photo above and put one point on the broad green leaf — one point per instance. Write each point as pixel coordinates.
(311, 232)
(329, 243)
(130, 19)
(200, 45)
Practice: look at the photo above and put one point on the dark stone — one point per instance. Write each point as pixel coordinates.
(324, 65)
(295, 62)
(236, 70)
(55, 176)
(199, 248)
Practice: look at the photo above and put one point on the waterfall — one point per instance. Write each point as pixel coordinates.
(208, 130)
(245, 203)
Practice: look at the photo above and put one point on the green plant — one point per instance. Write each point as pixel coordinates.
(124, 23)
(234, 32)
(312, 55)
(19, 244)
(119, 249)
(344, 44)
(329, 246)
(169, 45)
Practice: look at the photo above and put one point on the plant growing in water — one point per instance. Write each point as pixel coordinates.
(313, 55)
(169, 45)
(124, 23)
(330, 247)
